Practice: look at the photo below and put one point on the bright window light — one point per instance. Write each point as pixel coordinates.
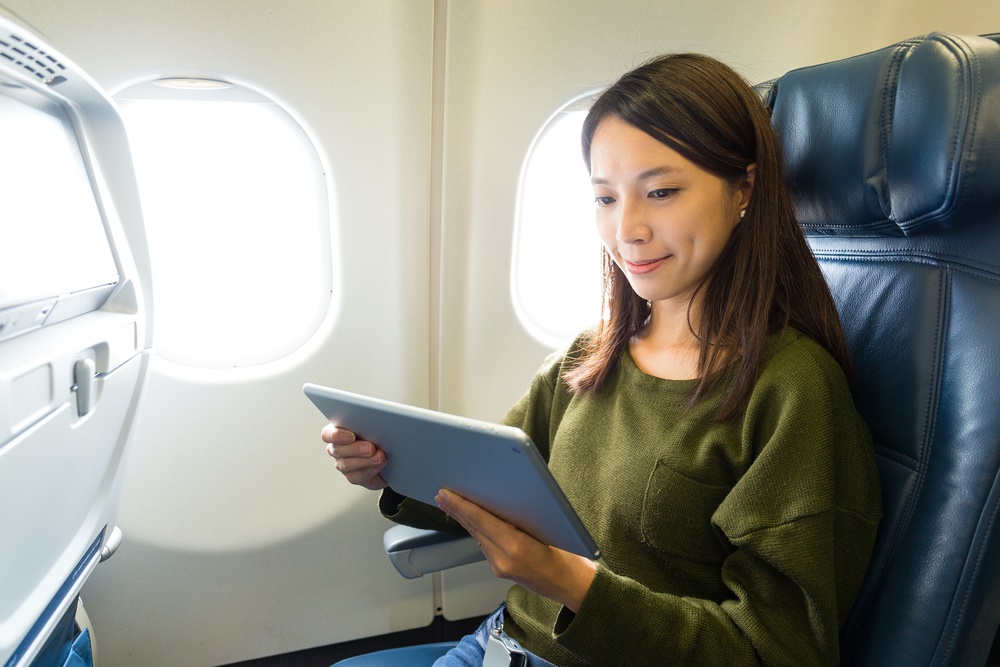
(556, 276)
(237, 212)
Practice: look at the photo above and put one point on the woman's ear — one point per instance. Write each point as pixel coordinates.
(746, 187)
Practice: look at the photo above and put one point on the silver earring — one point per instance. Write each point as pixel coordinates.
(742, 213)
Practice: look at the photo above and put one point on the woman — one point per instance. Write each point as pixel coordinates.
(705, 431)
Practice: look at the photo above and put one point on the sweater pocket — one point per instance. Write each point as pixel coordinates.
(677, 516)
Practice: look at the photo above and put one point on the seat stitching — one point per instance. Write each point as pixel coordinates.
(881, 451)
(893, 256)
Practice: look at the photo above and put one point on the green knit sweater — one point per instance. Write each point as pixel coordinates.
(738, 543)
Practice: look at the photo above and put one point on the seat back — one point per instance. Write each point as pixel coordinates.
(75, 337)
(893, 158)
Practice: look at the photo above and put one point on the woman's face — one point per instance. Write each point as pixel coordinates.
(663, 219)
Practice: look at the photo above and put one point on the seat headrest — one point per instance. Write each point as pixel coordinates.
(899, 141)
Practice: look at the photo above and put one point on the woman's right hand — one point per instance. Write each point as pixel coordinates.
(359, 460)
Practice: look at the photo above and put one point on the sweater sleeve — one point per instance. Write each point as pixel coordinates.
(800, 522)
(409, 512)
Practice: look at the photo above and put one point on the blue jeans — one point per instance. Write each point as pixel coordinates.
(472, 648)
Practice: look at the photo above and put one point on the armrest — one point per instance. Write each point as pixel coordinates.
(415, 552)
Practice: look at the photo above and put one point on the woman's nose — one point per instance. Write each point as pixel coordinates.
(633, 227)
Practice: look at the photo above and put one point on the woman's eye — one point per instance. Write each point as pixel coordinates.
(662, 193)
(604, 200)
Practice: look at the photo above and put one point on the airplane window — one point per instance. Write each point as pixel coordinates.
(556, 274)
(237, 212)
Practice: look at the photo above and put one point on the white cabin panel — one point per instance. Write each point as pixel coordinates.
(241, 539)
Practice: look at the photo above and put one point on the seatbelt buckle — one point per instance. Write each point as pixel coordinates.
(502, 651)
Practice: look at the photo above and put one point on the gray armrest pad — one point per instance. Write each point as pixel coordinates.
(415, 552)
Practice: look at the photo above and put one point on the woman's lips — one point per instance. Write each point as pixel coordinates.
(644, 266)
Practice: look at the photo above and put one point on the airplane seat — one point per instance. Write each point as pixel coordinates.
(422, 655)
(893, 160)
(75, 341)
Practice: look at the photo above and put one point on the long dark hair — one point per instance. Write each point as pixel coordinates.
(766, 277)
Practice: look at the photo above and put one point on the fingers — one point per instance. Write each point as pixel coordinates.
(486, 528)
(508, 549)
(368, 478)
(342, 443)
(360, 461)
(363, 470)
(458, 508)
(336, 436)
(518, 557)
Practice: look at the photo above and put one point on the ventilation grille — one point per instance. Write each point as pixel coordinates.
(33, 60)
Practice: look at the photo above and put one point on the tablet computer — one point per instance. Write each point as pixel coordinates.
(497, 467)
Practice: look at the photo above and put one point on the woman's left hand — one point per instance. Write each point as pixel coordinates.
(513, 554)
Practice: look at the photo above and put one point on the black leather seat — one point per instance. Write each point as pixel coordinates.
(894, 162)
(893, 158)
